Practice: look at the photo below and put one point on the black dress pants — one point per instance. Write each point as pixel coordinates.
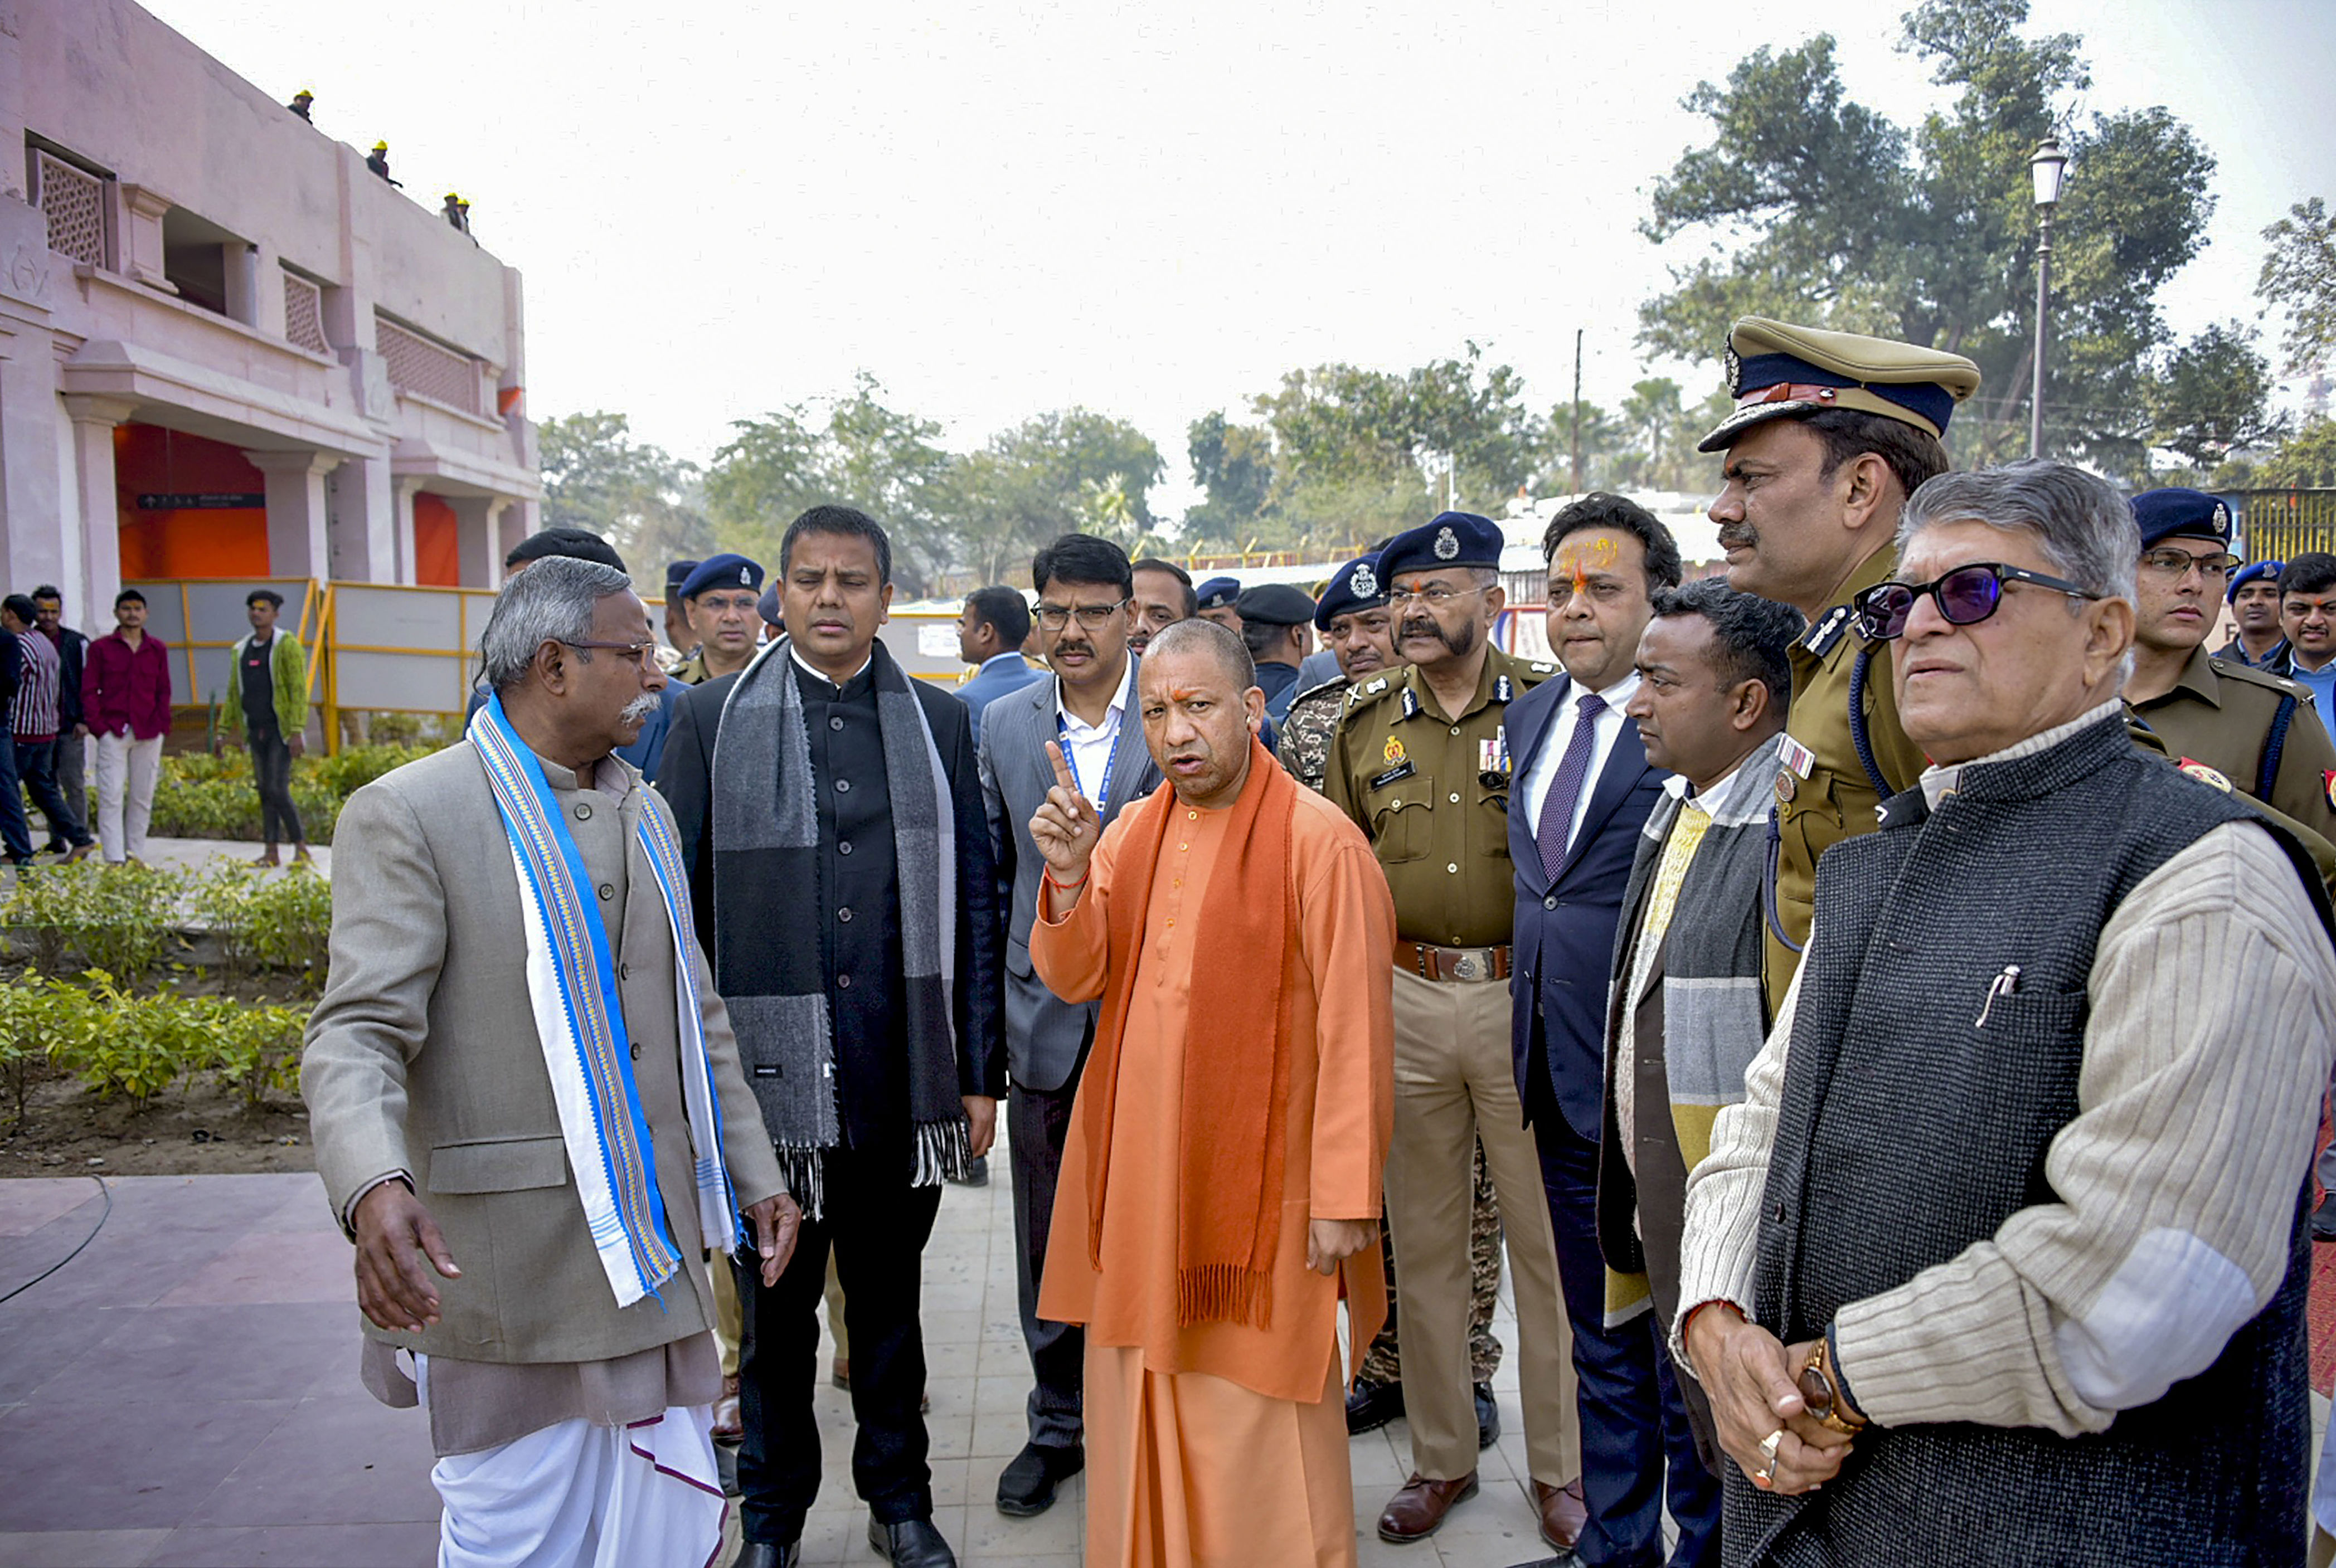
(877, 1224)
(1038, 1121)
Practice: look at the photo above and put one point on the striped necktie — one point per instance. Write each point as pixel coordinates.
(1565, 789)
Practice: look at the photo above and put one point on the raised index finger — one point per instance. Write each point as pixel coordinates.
(1063, 774)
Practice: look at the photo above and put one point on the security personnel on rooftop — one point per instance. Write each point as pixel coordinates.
(379, 161)
(2253, 729)
(1832, 432)
(302, 102)
(720, 600)
(1421, 764)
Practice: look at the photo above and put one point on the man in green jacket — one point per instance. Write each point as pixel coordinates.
(267, 709)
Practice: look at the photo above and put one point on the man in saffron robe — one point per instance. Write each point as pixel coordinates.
(1221, 1185)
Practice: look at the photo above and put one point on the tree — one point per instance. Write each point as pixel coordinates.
(1073, 470)
(2213, 399)
(864, 454)
(2299, 272)
(1359, 453)
(2306, 460)
(1830, 214)
(1234, 467)
(636, 496)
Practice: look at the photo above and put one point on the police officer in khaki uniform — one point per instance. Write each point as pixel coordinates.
(1420, 762)
(1832, 432)
(680, 640)
(2255, 728)
(1355, 621)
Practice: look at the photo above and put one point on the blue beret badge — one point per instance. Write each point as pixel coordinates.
(1447, 544)
(1364, 584)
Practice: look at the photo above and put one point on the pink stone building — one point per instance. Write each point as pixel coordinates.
(227, 348)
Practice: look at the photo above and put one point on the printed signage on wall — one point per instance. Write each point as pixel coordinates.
(202, 502)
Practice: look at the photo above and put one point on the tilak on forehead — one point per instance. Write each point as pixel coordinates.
(1601, 555)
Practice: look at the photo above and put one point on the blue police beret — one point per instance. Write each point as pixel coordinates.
(723, 572)
(677, 573)
(2254, 572)
(1276, 605)
(1353, 586)
(1218, 592)
(2192, 514)
(1451, 539)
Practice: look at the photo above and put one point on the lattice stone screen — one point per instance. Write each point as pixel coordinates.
(304, 314)
(418, 365)
(73, 200)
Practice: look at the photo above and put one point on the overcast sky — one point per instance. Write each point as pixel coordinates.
(1001, 207)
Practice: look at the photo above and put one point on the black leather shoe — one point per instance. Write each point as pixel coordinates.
(1026, 1488)
(763, 1555)
(911, 1544)
(1372, 1406)
(2323, 1218)
(1488, 1417)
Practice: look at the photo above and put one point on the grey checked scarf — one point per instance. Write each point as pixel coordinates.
(766, 875)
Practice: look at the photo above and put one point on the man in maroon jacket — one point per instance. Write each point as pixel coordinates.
(125, 699)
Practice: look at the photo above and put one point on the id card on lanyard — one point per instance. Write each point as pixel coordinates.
(1100, 798)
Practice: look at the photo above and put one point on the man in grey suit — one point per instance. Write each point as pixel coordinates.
(537, 1099)
(1085, 586)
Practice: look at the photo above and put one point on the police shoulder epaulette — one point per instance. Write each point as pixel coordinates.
(1533, 671)
(1828, 631)
(2247, 674)
(1370, 691)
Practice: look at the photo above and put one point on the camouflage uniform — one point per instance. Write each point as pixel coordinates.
(1304, 748)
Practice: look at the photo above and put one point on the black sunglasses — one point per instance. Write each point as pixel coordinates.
(1965, 597)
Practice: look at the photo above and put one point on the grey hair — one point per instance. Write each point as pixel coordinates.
(552, 600)
(1213, 638)
(2080, 522)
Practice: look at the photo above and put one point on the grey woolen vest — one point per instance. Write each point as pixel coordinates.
(1908, 1131)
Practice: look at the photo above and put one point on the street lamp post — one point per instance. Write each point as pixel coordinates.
(2046, 165)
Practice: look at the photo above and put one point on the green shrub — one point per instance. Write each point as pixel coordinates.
(264, 921)
(202, 796)
(116, 918)
(139, 1046)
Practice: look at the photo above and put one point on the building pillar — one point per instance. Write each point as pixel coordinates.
(408, 486)
(361, 525)
(94, 419)
(298, 542)
(141, 237)
(478, 532)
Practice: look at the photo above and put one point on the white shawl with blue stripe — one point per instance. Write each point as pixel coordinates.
(580, 1018)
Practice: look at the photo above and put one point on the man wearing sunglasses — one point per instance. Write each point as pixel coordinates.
(2013, 1208)
(2253, 727)
(1832, 432)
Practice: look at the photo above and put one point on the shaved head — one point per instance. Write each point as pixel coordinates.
(1211, 639)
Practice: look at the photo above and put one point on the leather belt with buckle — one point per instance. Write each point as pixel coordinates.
(1460, 965)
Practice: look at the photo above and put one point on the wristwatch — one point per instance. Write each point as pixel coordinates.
(1821, 1388)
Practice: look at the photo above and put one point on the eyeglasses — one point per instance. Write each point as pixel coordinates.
(2176, 563)
(1093, 617)
(1965, 597)
(639, 653)
(1435, 595)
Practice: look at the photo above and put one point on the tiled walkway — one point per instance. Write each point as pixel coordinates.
(185, 1392)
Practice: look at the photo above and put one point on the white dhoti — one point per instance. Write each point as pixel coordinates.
(574, 1495)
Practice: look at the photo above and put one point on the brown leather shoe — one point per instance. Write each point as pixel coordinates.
(1563, 1513)
(1418, 1511)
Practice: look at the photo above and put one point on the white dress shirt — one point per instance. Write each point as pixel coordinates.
(1088, 747)
(1605, 729)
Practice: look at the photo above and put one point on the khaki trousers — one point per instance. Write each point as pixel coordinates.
(1453, 1083)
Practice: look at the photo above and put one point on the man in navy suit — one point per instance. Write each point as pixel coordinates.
(990, 632)
(1584, 790)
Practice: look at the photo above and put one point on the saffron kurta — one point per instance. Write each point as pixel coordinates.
(1340, 1119)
